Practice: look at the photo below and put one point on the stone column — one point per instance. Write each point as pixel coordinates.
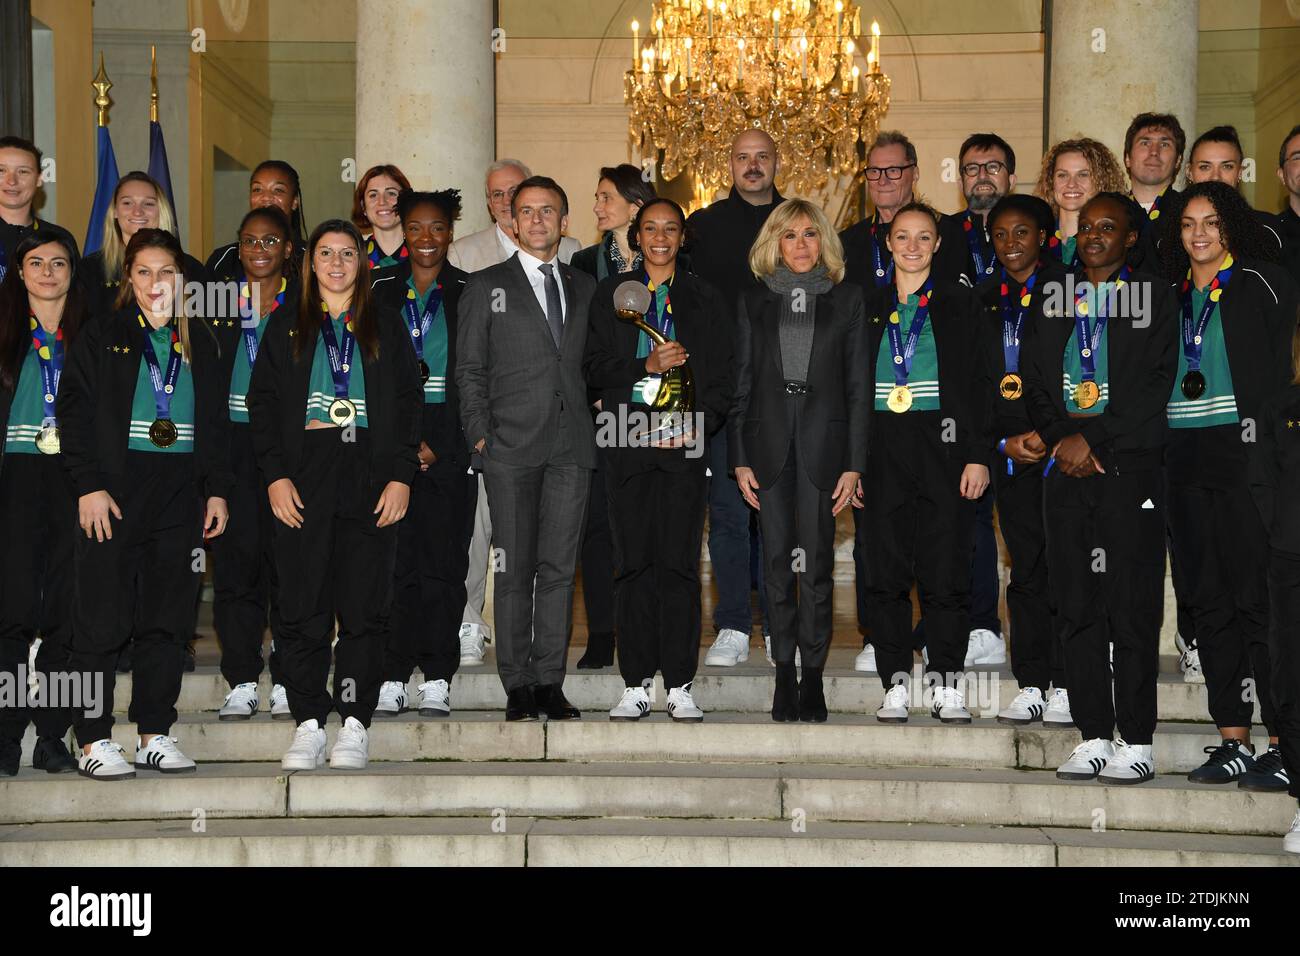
(426, 94)
(1113, 59)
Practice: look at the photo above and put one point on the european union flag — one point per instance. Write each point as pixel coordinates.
(105, 184)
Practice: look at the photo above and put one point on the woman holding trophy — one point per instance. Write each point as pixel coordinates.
(658, 353)
(797, 435)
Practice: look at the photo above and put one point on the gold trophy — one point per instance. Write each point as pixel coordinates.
(670, 394)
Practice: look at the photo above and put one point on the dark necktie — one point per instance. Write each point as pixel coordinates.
(554, 311)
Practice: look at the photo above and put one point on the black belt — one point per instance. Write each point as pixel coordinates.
(796, 388)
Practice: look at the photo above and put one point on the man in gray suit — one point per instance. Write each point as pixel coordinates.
(523, 404)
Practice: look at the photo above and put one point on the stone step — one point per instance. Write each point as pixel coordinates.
(420, 841)
(507, 791)
(744, 688)
(722, 737)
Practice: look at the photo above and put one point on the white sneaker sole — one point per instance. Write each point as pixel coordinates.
(950, 720)
(237, 715)
(471, 661)
(686, 720)
(129, 775)
(1124, 781)
(391, 713)
(302, 763)
(710, 661)
(1011, 720)
(892, 719)
(435, 712)
(145, 766)
(628, 719)
(348, 763)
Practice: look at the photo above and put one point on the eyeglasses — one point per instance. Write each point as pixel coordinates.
(497, 195)
(325, 254)
(890, 172)
(992, 167)
(266, 243)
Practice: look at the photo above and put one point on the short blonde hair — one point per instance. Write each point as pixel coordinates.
(765, 254)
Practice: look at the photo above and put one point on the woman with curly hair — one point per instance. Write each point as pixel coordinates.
(1238, 315)
(1073, 171)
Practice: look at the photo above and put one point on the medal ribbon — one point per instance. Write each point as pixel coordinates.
(1193, 334)
(884, 274)
(660, 319)
(163, 386)
(49, 353)
(903, 353)
(1088, 340)
(1011, 328)
(981, 253)
(340, 359)
(419, 324)
(249, 322)
(376, 255)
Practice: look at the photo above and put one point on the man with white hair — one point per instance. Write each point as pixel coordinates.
(481, 249)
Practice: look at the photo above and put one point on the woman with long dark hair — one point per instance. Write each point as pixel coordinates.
(139, 202)
(245, 594)
(146, 438)
(41, 313)
(273, 183)
(657, 494)
(1238, 316)
(797, 433)
(334, 407)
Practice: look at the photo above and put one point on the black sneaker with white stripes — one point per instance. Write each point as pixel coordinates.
(1228, 761)
(1268, 775)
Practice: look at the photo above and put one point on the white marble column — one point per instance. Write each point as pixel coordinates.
(425, 94)
(1113, 59)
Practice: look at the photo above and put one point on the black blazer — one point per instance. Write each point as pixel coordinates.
(229, 331)
(277, 400)
(702, 324)
(954, 319)
(97, 389)
(439, 429)
(1274, 468)
(1142, 359)
(101, 292)
(836, 411)
(1007, 418)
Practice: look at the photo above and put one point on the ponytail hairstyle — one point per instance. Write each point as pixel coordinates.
(164, 240)
(113, 245)
(15, 306)
(365, 325)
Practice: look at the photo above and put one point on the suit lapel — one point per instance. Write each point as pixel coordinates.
(530, 299)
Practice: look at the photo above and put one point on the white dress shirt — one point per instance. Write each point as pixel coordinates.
(533, 271)
(508, 245)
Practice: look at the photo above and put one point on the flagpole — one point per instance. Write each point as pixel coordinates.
(102, 84)
(153, 83)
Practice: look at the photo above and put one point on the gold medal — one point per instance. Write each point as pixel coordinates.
(1011, 387)
(900, 399)
(1087, 394)
(342, 411)
(47, 440)
(163, 433)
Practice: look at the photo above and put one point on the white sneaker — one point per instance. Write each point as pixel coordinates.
(1087, 760)
(985, 647)
(682, 707)
(950, 706)
(894, 709)
(1057, 713)
(634, 705)
(767, 648)
(1025, 708)
(307, 752)
(351, 747)
(280, 703)
(105, 762)
(435, 699)
(730, 648)
(472, 639)
(240, 703)
(866, 659)
(392, 699)
(1132, 763)
(1291, 842)
(1191, 666)
(162, 754)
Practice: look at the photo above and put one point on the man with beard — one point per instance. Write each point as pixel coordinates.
(1153, 153)
(987, 165)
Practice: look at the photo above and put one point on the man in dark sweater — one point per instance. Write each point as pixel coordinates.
(720, 236)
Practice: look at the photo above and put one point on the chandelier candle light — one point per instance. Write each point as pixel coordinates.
(709, 70)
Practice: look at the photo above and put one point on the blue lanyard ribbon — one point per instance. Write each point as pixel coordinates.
(980, 252)
(1088, 339)
(340, 359)
(902, 353)
(1011, 327)
(417, 323)
(250, 321)
(884, 274)
(49, 353)
(163, 385)
(1193, 335)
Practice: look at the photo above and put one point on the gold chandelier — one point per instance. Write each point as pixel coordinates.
(710, 69)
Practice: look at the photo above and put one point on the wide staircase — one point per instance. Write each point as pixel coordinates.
(735, 789)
